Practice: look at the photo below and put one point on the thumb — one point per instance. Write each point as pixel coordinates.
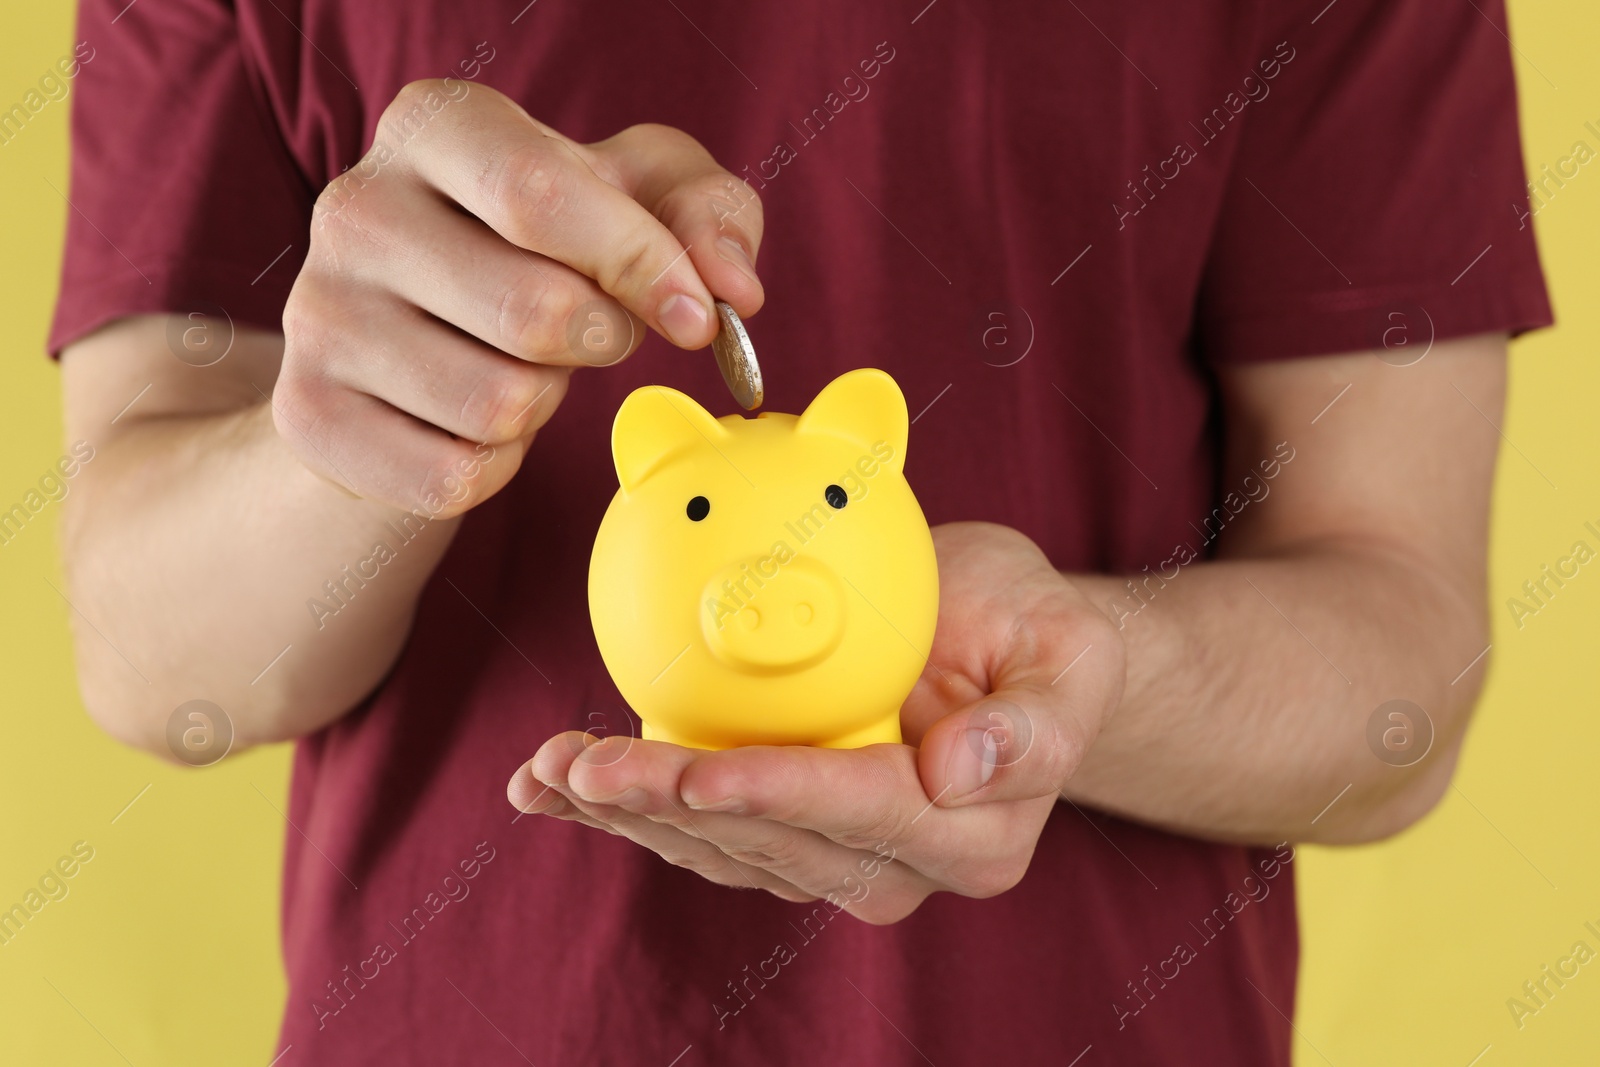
(1015, 744)
(1056, 668)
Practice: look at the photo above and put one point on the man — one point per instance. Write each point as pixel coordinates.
(1201, 316)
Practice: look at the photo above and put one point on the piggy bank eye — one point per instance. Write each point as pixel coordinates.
(836, 497)
(699, 508)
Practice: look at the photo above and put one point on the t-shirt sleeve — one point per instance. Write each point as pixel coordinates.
(1377, 196)
(183, 195)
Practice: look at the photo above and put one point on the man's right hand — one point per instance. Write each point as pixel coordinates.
(455, 278)
(476, 256)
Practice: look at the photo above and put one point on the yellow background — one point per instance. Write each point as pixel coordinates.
(165, 949)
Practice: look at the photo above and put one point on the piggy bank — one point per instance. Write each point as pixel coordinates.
(765, 581)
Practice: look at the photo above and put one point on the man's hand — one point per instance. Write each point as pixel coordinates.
(454, 282)
(455, 278)
(1023, 673)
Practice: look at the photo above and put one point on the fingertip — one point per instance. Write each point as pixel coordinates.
(526, 793)
(997, 749)
(732, 275)
(933, 761)
(962, 753)
(552, 764)
(687, 321)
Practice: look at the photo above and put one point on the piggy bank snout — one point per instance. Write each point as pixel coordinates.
(764, 616)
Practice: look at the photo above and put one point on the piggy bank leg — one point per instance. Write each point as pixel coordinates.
(885, 731)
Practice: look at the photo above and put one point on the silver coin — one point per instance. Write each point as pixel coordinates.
(736, 358)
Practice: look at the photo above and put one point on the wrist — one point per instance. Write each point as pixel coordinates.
(1108, 657)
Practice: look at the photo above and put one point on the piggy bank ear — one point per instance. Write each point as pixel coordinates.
(654, 424)
(864, 406)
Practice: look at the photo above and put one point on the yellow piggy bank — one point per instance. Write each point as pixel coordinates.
(765, 581)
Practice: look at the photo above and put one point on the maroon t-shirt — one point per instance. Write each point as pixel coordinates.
(1049, 222)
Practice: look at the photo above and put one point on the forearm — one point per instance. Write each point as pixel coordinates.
(1250, 686)
(197, 549)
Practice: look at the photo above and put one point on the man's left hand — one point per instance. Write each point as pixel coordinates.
(1023, 673)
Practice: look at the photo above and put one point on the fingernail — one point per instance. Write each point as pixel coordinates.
(731, 805)
(972, 763)
(733, 252)
(684, 319)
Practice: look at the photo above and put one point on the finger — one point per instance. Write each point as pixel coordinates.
(704, 858)
(813, 814)
(608, 775)
(445, 378)
(532, 797)
(394, 458)
(640, 778)
(684, 849)
(868, 798)
(715, 215)
(871, 800)
(552, 763)
(869, 884)
(540, 192)
(529, 795)
(620, 770)
(407, 240)
(1027, 737)
(634, 782)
